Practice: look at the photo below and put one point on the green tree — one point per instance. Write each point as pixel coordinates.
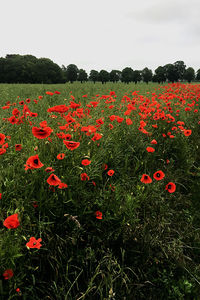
(46, 71)
(180, 68)
(82, 75)
(160, 74)
(115, 75)
(94, 75)
(104, 76)
(171, 73)
(127, 75)
(198, 75)
(137, 77)
(147, 75)
(189, 74)
(72, 73)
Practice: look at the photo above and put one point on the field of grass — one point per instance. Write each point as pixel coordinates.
(99, 191)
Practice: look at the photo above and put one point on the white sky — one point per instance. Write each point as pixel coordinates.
(103, 34)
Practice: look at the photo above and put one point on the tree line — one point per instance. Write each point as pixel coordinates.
(16, 68)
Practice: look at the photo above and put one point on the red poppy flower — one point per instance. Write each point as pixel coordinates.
(150, 149)
(86, 162)
(187, 132)
(33, 243)
(53, 180)
(11, 221)
(71, 145)
(84, 176)
(159, 175)
(96, 137)
(154, 142)
(41, 133)
(2, 138)
(49, 169)
(8, 274)
(110, 172)
(105, 166)
(60, 156)
(33, 162)
(170, 187)
(129, 122)
(98, 215)
(43, 124)
(2, 151)
(18, 147)
(0, 195)
(62, 185)
(146, 178)
(49, 93)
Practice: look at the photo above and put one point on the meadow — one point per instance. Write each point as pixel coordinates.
(99, 191)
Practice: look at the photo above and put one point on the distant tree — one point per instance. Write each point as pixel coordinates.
(72, 73)
(82, 75)
(104, 76)
(160, 75)
(171, 73)
(94, 75)
(127, 75)
(180, 68)
(189, 74)
(46, 71)
(147, 75)
(198, 75)
(115, 75)
(137, 77)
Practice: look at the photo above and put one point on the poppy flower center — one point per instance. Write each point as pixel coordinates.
(169, 186)
(145, 177)
(35, 161)
(158, 174)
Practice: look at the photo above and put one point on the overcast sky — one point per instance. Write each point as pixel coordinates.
(103, 34)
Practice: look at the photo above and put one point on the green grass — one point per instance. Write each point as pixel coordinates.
(147, 244)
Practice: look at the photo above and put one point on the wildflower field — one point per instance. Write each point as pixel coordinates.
(100, 191)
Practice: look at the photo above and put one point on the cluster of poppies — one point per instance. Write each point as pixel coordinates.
(150, 108)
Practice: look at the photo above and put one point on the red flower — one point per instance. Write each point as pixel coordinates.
(33, 162)
(146, 179)
(62, 185)
(33, 243)
(8, 274)
(110, 172)
(129, 122)
(84, 176)
(60, 156)
(86, 162)
(105, 166)
(41, 133)
(159, 175)
(71, 145)
(2, 151)
(170, 187)
(96, 137)
(53, 180)
(150, 149)
(49, 93)
(11, 221)
(154, 142)
(49, 169)
(187, 132)
(0, 195)
(2, 138)
(98, 215)
(18, 147)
